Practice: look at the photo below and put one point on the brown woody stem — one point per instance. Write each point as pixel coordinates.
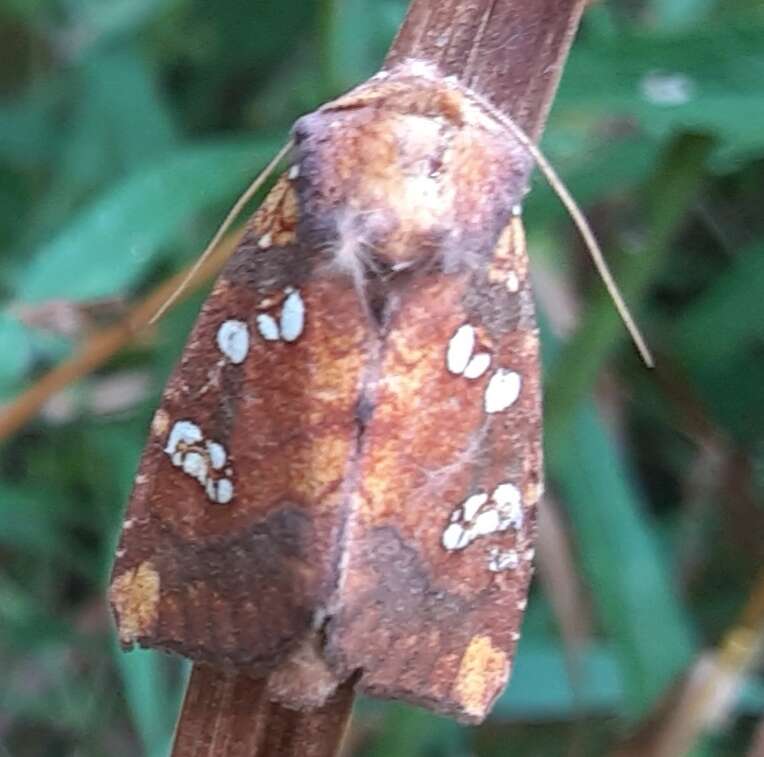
(231, 716)
(510, 51)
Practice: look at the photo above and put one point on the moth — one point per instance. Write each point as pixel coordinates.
(342, 478)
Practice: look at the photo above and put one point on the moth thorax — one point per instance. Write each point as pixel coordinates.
(378, 186)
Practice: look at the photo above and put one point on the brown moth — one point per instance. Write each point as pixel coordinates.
(341, 480)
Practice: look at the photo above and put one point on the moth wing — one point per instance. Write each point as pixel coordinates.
(230, 539)
(438, 546)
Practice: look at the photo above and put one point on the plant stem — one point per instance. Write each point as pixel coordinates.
(510, 51)
(228, 715)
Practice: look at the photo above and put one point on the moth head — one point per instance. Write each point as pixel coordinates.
(402, 172)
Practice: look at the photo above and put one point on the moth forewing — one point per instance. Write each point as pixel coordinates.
(440, 543)
(342, 476)
(238, 498)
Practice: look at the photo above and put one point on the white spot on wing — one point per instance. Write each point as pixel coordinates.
(292, 316)
(224, 491)
(265, 241)
(294, 172)
(201, 459)
(267, 327)
(460, 348)
(233, 340)
(472, 505)
(509, 503)
(160, 422)
(481, 515)
(460, 359)
(420, 68)
(502, 391)
(183, 432)
(477, 366)
(195, 466)
(217, 454)
(291, 320)
(455, 537)
(486, 523)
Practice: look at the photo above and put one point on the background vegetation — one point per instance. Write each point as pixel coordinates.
(126, 129)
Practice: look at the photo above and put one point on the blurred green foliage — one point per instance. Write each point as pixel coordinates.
(128, 126)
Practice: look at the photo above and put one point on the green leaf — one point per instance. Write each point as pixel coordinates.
(17, 354)
(718, 341)
(120, 120)
(701, 81)
(411, 731)
(541, 687)
(352, 48)
(27, 130)
(727, 318)
(621, 557)
(592, 170)
(152, 697)
(111, 245)
(675, 183)
(96, 23)
(679, 14)
(27, 524)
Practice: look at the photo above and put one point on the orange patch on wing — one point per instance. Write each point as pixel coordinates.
(277, 216)
(482, 673)
(135, 596)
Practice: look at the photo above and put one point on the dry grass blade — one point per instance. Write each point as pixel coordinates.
(230, 218)
(561, 578)
(102, 345)
(710, 690)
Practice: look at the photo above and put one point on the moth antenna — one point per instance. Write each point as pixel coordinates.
(579, 219)
(233, 213)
